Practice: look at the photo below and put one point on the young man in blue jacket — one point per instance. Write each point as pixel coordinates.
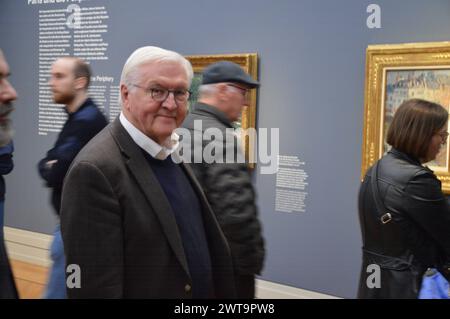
(69, 83)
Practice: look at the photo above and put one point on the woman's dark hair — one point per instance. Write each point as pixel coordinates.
(414, 124)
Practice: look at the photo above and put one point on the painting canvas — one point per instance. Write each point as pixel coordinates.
(428, 84)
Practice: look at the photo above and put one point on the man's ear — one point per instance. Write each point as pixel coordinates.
(222, 90)
(81, 83)
(124, 94)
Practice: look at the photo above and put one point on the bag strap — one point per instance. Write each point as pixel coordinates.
(381, 208)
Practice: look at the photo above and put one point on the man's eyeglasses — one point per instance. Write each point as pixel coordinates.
(244, 91)
(160, 94)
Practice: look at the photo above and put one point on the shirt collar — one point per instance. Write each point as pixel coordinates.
(155, 150)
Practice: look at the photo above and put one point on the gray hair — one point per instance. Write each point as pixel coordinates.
(150, 54)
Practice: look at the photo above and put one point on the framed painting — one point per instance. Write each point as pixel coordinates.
(249, 62)
(395, 73)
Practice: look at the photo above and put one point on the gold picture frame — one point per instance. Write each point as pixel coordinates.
(249, 62)
(394, 73)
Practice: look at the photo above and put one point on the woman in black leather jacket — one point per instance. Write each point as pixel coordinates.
(411, 230)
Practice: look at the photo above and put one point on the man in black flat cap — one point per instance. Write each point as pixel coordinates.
(227, 184)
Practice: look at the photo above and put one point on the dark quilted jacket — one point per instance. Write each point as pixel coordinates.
(230, 192)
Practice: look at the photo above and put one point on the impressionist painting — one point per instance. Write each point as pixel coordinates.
(428, 84)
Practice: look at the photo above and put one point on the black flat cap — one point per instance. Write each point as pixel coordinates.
(225, 71)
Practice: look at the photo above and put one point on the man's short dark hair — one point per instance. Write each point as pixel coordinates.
(415, 122)
(82, 70)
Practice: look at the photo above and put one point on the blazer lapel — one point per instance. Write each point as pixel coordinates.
(150, 186)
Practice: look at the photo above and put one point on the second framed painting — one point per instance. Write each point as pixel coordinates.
(249, 62)
(395, 73)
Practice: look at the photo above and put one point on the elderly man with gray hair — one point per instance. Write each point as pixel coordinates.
(134, 222)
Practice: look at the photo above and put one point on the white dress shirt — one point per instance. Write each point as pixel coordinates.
(155, 150)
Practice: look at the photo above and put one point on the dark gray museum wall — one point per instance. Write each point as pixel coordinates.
(312, 70)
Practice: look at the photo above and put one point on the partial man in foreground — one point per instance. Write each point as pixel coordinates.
(7, 96)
